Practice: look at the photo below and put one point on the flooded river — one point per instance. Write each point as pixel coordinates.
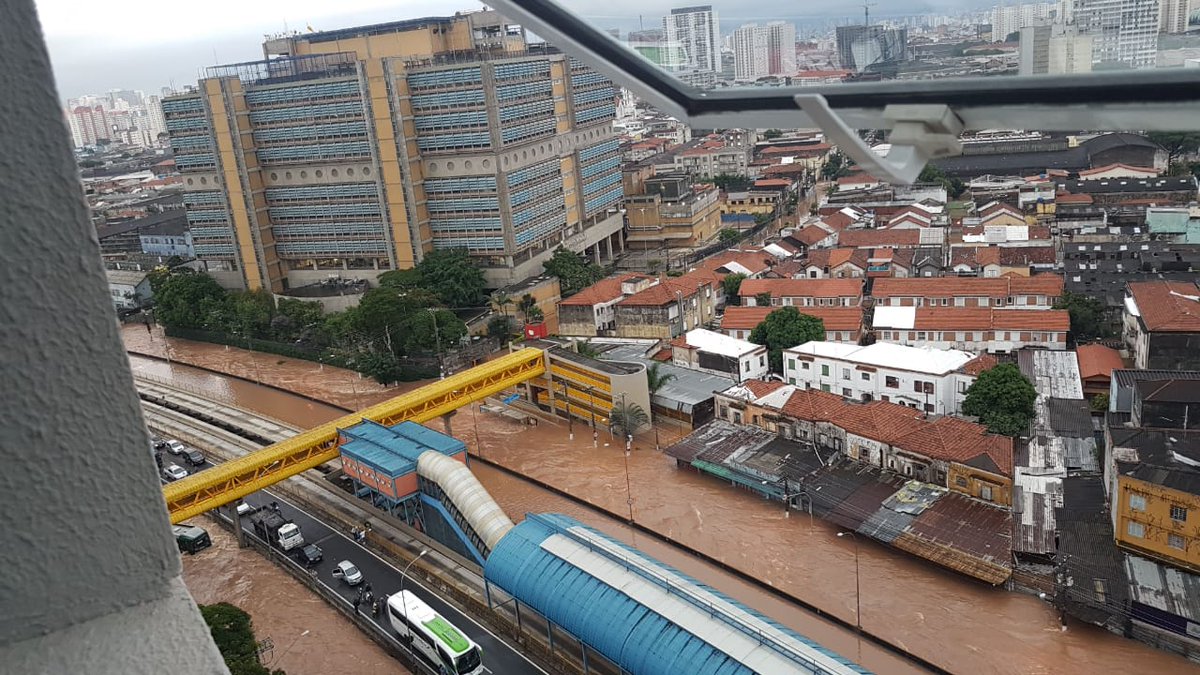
(959, 624)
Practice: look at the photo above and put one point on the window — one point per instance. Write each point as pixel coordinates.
(866, 376)
(928, 407)
(985, 493)
(762, 361)
(920, 335)
(1137, 502)
(961, 481)
(918, 386)
(804, 365)
(845, 373)
(1135, 529)
(1176, 541)
(846, 392)
(941, 477)
(792, 381)
(825, 388)
(824, 370)
(1179, 513)
(891, 382)
(791, 364)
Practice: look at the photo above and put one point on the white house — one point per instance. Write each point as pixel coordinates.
(925, 378)
(720, 354)
(128, 289)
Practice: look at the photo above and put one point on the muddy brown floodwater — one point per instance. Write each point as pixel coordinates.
(309, 636)
(959, 624)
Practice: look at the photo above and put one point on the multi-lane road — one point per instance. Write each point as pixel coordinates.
(499, 657)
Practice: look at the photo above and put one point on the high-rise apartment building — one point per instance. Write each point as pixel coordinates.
(698, 30)
(1054, 49)
(1124, 32)
(750, 60)
(153, 120)
(759, 51)
(88, 124)
(781, 48)
(1173, 16)
(874, 48)
(1008, 19)
(353, 152)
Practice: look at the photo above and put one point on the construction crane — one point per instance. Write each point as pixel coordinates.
(867, 12)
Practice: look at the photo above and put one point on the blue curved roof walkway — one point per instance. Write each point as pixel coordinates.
(643, 616)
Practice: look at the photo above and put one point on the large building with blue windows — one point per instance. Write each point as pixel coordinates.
(354, 152)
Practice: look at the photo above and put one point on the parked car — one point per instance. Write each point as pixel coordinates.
(347, 572)
(311, 554)
(174, 472)
(246, 508)
(175, 447)
(193, 456)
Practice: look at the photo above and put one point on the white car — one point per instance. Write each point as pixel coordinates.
(347, 572)
(173, 472)
(246, 508)
(175, 447)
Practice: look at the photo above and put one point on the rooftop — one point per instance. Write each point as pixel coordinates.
(1168, 306)
(1049, 285)
(1135, 185)
(1096, 361)
(1084, 173)
(834, 318)
(394, 450)
(718, 343)
(887, 355)
(875, 238)
(802, 288)
(605, 290)
(125, 277)
(971, 319)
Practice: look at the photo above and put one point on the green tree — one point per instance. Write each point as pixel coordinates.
(381, 366)
(297, 320)
(419, 333)
(1176, 143)
(728, 235)
(402, 279)
(527, 304)
(628, 418)
(836, 166)
(657, 378)
(573, 274)
(1099, 402)
(731, 182)
(586, 348)
(501, 301)
(452, 274)
(1087, 316)
(499, 327)
(933, 174)
(771, 134)
(1002, 398)
(185, 297)
(233, 632)
(250, 313)
(731, 284)
(784, 328)
(763, 299)
(763, 218)
(534, 314)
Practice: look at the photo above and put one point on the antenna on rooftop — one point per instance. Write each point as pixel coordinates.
(867, 12)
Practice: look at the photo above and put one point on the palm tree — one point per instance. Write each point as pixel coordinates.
(656, 379)
(628, 418)
(534, 314)
(501, 301)
(526, 304)
(586, 348)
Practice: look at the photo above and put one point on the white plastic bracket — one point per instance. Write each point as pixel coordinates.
(920, 132)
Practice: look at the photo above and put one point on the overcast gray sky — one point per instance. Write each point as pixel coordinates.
(104, 44)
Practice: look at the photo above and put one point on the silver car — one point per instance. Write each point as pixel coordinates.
(173, 472)
(347, 572)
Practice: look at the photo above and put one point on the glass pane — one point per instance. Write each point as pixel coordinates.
(734, 45)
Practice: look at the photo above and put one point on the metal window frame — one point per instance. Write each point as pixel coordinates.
(1146, 100)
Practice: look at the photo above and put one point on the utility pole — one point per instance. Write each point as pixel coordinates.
(867, 12)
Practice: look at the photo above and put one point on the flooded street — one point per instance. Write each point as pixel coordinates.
(959, 624)
(309, 636)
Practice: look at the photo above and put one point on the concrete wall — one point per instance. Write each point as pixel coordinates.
(106, 594)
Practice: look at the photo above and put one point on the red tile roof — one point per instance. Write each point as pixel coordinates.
(979, 364)
(974, 256)
(1168, 306)
(772, 182)
(857, 179)
(811, 235)
(788, 268)
(793, 149)
(1096, 361)
(1050, 285)
(957, 440)
(761, 388)
(834, 318)
(1021, 256)
(877, 238)
(797, 168)
(605, 290)
(986, 318)
(803, 288)
(665, 291)
(755, 261)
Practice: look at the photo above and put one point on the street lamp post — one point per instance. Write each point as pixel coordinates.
(438, 341)
(592, 403)
(403, 574)
(857, 591)
(567, 407)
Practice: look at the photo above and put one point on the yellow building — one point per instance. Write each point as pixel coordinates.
(1158, 521)
(750, 202)
(668, 211)
(980, 484)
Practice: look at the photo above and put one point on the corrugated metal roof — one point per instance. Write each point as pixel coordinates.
(643, 616)
(1162, 587)
(394, 450)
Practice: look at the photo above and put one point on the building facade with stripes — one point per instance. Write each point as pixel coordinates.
(357, 151)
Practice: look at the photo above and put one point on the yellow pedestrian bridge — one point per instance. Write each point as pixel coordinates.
(233, 480)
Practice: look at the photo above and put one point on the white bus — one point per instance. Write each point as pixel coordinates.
(444, 645)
